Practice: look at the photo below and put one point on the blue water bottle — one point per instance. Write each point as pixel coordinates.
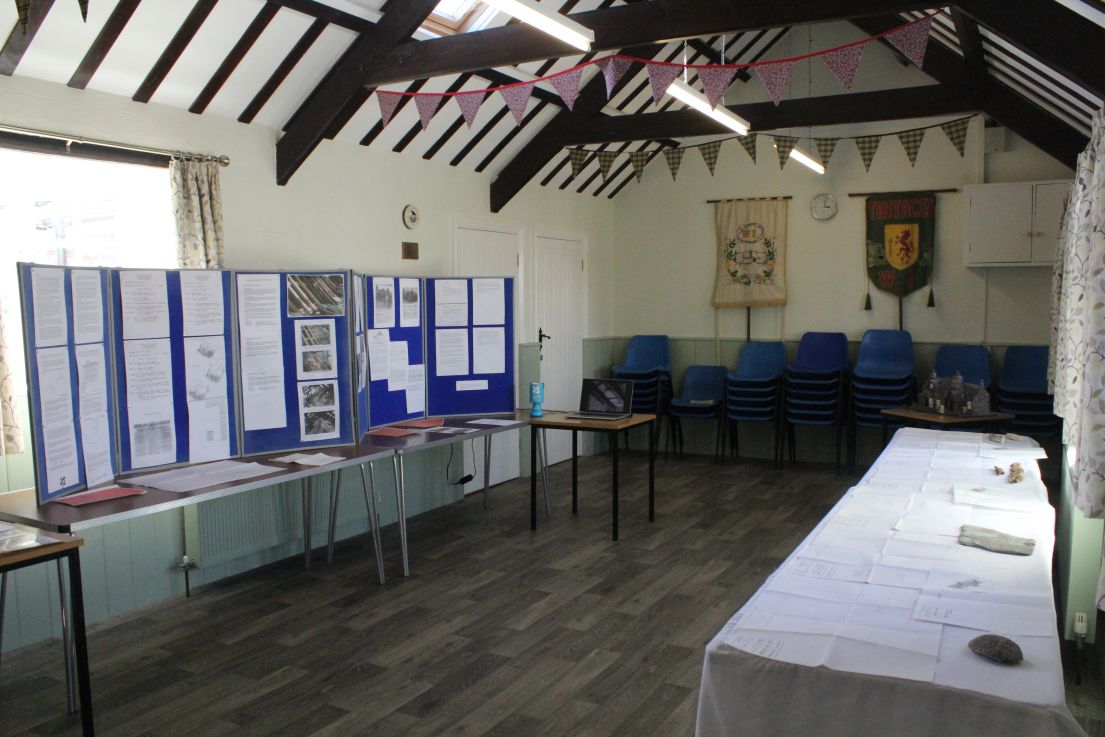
(536, 397)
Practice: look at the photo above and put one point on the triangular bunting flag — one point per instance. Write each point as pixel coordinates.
(867, 146)
(84, 9)
(613, 67)
(469, 104)
(749, 144)
(956, 131)
(783, 146)
(388, 102)
(567, 86)
(843, 63)
(825, 148)
(639, 159)
(776, 77)
(606, 160)
(912, 40)
(427, 105)
(517, 97)
(659, 77)
(578, 157)
(674, 157)
(23, 9)
(709, 153)
(715, 80)
(911, 142)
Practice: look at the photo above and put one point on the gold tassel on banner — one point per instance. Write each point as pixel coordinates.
(932, 298)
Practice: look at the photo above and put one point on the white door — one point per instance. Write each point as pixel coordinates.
(559, 294)
(480, 251)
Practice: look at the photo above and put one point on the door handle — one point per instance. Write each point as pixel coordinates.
(542, 336)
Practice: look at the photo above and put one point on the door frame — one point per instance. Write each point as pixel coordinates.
(584, 329)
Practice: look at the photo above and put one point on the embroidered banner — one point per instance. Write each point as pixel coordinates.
(752, 245)
(900, 241)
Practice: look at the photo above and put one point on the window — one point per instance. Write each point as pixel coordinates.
(458, 16)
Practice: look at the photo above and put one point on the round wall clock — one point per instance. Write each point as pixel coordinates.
(411, 217)
(823, 207)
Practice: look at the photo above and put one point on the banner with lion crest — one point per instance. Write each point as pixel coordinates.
(900, 235)
(752, 247)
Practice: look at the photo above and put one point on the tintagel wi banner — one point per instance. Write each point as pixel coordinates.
(900, 233)
(752, 246)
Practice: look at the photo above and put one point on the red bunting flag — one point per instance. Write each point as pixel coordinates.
(660, 77)
(715, 80)
(427, 105)
(843, 63)
(469, 104)
(517, 97)
(776, 77)
(567, 86)
(613, 67)
(912, 40)
(388, 102)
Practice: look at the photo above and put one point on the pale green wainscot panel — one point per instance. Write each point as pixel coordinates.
(1078, 558)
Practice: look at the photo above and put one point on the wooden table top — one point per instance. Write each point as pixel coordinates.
(560, 421)
(936, 418)
(60, 544)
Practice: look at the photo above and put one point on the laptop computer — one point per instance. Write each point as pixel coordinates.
(604, 399)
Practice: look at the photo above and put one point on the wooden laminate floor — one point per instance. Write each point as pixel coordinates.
(499, 631)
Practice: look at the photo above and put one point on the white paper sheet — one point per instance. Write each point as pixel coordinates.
(488, 350)
(55, 388)
(383, 302)
(410, 303)
(359, 305)
(319, 414)
(397, 366)
(451, 352)
(316, 349)
(145, 300)
(59, 442)
(1011, 497)
(48, 299)
(191, 478)
(361, 361)
(979, 614)
(261, 351)
(201, 302)
(379, 354)
(416, 388)
(208, 401)
(88, 306)
(492, 422)
(309, 459)
(472, 385)
(149, 401)
(450, 303)
(208, 430)
(96, 449)
(488, 302)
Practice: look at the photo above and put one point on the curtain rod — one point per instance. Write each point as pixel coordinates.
(751, 199)
(70, 139)
(908, 191)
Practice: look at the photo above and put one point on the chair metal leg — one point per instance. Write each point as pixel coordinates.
(335, 494)
(791, 433)
(73, 700)
(368, 487)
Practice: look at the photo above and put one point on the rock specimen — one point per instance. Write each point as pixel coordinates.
(996, 648)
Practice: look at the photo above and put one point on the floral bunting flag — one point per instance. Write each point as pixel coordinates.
(715, 81)
(578, 157)
(912, 40)
(867, 146)
(388, 102)
(23, 9)
(84, 9)
(843, 63)
(517, 97)
(748, 143)
(911, 142)
(776, 77)
(606, 160)
(956, 131)
(469, 104)
(567, 86)
(709, 153)
(613, 67)
(639, 159)
(825, 148)
(783, 146)
(674, 157)
(660, 76)
(427, 105)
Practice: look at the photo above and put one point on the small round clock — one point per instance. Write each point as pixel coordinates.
(823, 207)
(411, 217)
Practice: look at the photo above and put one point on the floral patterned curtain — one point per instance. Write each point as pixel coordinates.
(198, 209)
(11, 439)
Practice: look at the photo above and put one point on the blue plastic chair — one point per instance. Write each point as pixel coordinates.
(761, 362)
(703, 396)
(971, 361)
(754, 390)
(886, 355)
(1024, 370)
(646, 354)
(1022, 391)
(814, 386)
(821, 353)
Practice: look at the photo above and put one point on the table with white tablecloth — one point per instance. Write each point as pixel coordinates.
(863, 630)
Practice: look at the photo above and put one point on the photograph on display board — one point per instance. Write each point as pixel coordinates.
(316, 349)
(316, 334)
(316, 295)
(318, 410)
(320, 394)
(315, 362)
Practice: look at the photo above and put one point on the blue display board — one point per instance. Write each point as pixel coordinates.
(454, 388)
(308, 301)
(360, 354)
(394, 306)
(201, 359)
(81, 338)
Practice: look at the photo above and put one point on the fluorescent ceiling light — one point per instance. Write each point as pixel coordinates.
(543, 19)
(806, 160)
(691, 97)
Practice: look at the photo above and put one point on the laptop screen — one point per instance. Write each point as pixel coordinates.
(612, 396)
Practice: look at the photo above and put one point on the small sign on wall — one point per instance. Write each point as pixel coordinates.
(410, 251)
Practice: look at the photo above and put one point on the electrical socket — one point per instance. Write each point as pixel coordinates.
(1080, 624)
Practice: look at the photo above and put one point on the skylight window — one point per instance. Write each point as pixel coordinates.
(458, 16)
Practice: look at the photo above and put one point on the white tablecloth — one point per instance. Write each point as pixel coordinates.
(863, 630)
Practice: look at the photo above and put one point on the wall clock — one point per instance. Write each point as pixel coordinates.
(411, 217)
(823, 207)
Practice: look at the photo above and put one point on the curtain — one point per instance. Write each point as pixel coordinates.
(11, 439)
(198, 210)
(751, 253)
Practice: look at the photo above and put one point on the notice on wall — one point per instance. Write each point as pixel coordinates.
(201, 301)
(488, 301)
(149, 375)
(262, 356)
(91, 361)
(410, 303)
(450, 303)
(54, 386)
(48, 298)
(96, 449)
(208, 403)
(451, 352)
(416, 389)
(397, 366)
(88, 306)
(379, 347)
(59, 452)
(145, 300)
(488, 350)
(319, 417)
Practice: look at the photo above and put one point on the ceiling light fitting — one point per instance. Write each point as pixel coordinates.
(555, 24)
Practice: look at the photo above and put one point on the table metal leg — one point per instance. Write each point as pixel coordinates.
(369, 489)
(533, 477)
(486, 468)
(615, 491)
(401, 505)
(652, 471)
(67, 645)
(335, 494)
(308, 489)
(3, 602)
(544, 449)
(80, 648)
(575, 471)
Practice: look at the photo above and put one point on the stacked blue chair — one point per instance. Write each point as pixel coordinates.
(703, 397)
(815, 386)
(648, 366)
(882, 378)
(972, 362)
(754, 392)
(1022, 391)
